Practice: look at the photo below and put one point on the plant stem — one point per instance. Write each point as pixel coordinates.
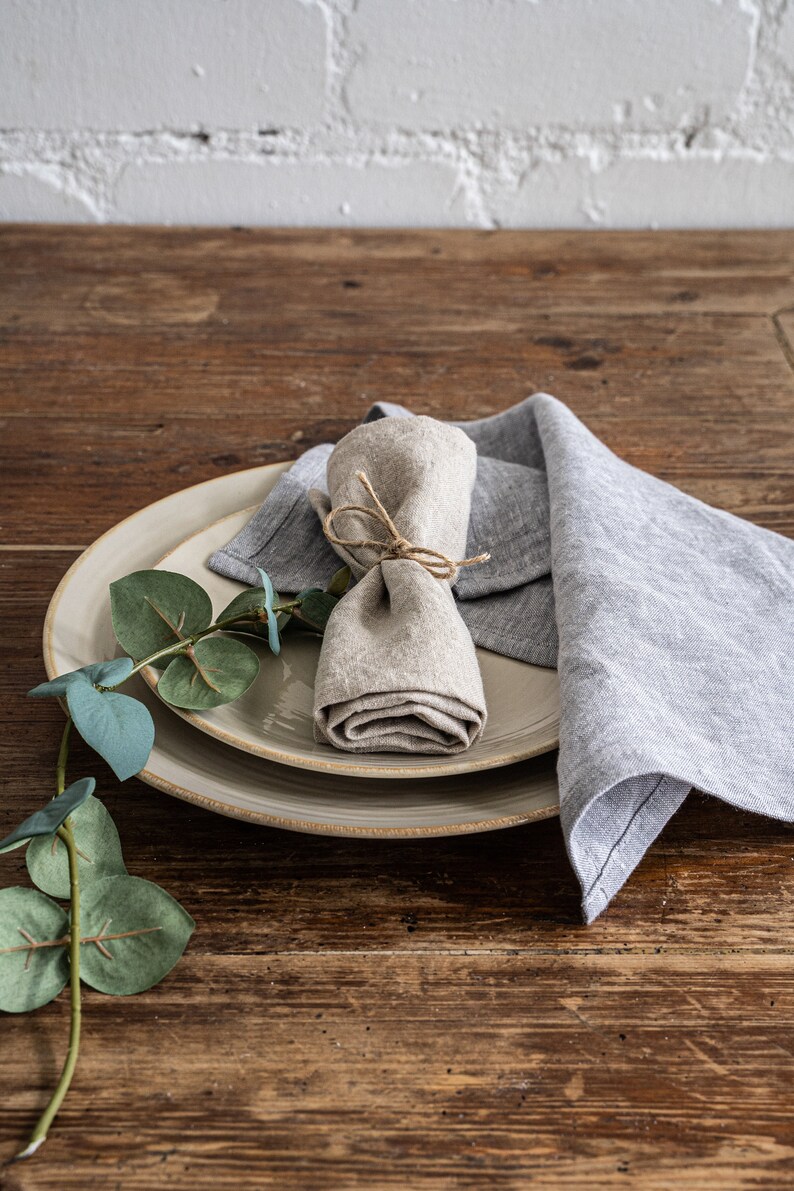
(182, 646)
(65, 833)
(63, 753)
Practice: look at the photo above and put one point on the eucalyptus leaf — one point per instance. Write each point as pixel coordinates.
(340, 581)
(156, 926)
(153, 609)
(219, 671)
(315, 608)
(12, 847)
(31, 977)
(273, 638)
(98, 852)
(268, 624)
(248, 601)
(267, 587)
(274, 641)
(243, 628)
(116, 726)
(252, 600)
(97, 674)
(49, 818)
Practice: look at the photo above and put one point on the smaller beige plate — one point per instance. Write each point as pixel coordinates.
(273, 719)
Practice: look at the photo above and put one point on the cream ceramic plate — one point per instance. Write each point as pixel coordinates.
(193, 766)
(273, 719)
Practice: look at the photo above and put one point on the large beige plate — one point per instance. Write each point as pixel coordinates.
(193, 766)
(274, 717)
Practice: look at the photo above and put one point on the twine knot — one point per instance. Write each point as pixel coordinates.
(433, 561)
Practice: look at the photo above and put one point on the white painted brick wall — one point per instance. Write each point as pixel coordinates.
(521, 113)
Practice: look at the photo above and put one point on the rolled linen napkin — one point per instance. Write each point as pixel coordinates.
(397, 670)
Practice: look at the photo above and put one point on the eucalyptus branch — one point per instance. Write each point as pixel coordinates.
(185, 643)
(65, 833)
(121, 730)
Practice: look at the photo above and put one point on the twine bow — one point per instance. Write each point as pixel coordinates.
(433, 561)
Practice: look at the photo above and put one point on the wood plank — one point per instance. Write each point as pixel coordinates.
(59, 278)
(430, 1071)
(69, 479)
(317, 367)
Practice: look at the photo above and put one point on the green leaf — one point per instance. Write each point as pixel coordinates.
(219, 671)
(340, 580)
(116, 726)
(267, 587)
(98, 852)
(315, 608)
(97, 674)
(117, 905)
(50, 817)
(248, 601)
(31, 977)
(11, 847)
(254, 599)
(153, 609)
(272, 624)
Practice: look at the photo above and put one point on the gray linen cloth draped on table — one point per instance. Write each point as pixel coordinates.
(671, 624)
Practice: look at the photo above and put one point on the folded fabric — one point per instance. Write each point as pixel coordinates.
(675, 623)
(509, 519)
(397, 669)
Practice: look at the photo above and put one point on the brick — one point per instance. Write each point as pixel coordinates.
(510, 63)
(149, 64)
(415, 194)
(551, 194)
(699, 193)
(24, 197)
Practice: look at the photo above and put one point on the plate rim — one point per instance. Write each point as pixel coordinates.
(261, 817)
(346, 768)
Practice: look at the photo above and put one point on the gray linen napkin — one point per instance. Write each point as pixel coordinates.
(397, 669)
(675, 624)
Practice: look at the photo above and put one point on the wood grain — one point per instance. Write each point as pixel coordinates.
(429, 1013)
(61, 280)
(683, 364)
(80, 476)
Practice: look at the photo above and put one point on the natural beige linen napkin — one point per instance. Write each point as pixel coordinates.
(397, 670)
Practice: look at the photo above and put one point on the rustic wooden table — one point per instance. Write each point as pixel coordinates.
(425, 1014)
